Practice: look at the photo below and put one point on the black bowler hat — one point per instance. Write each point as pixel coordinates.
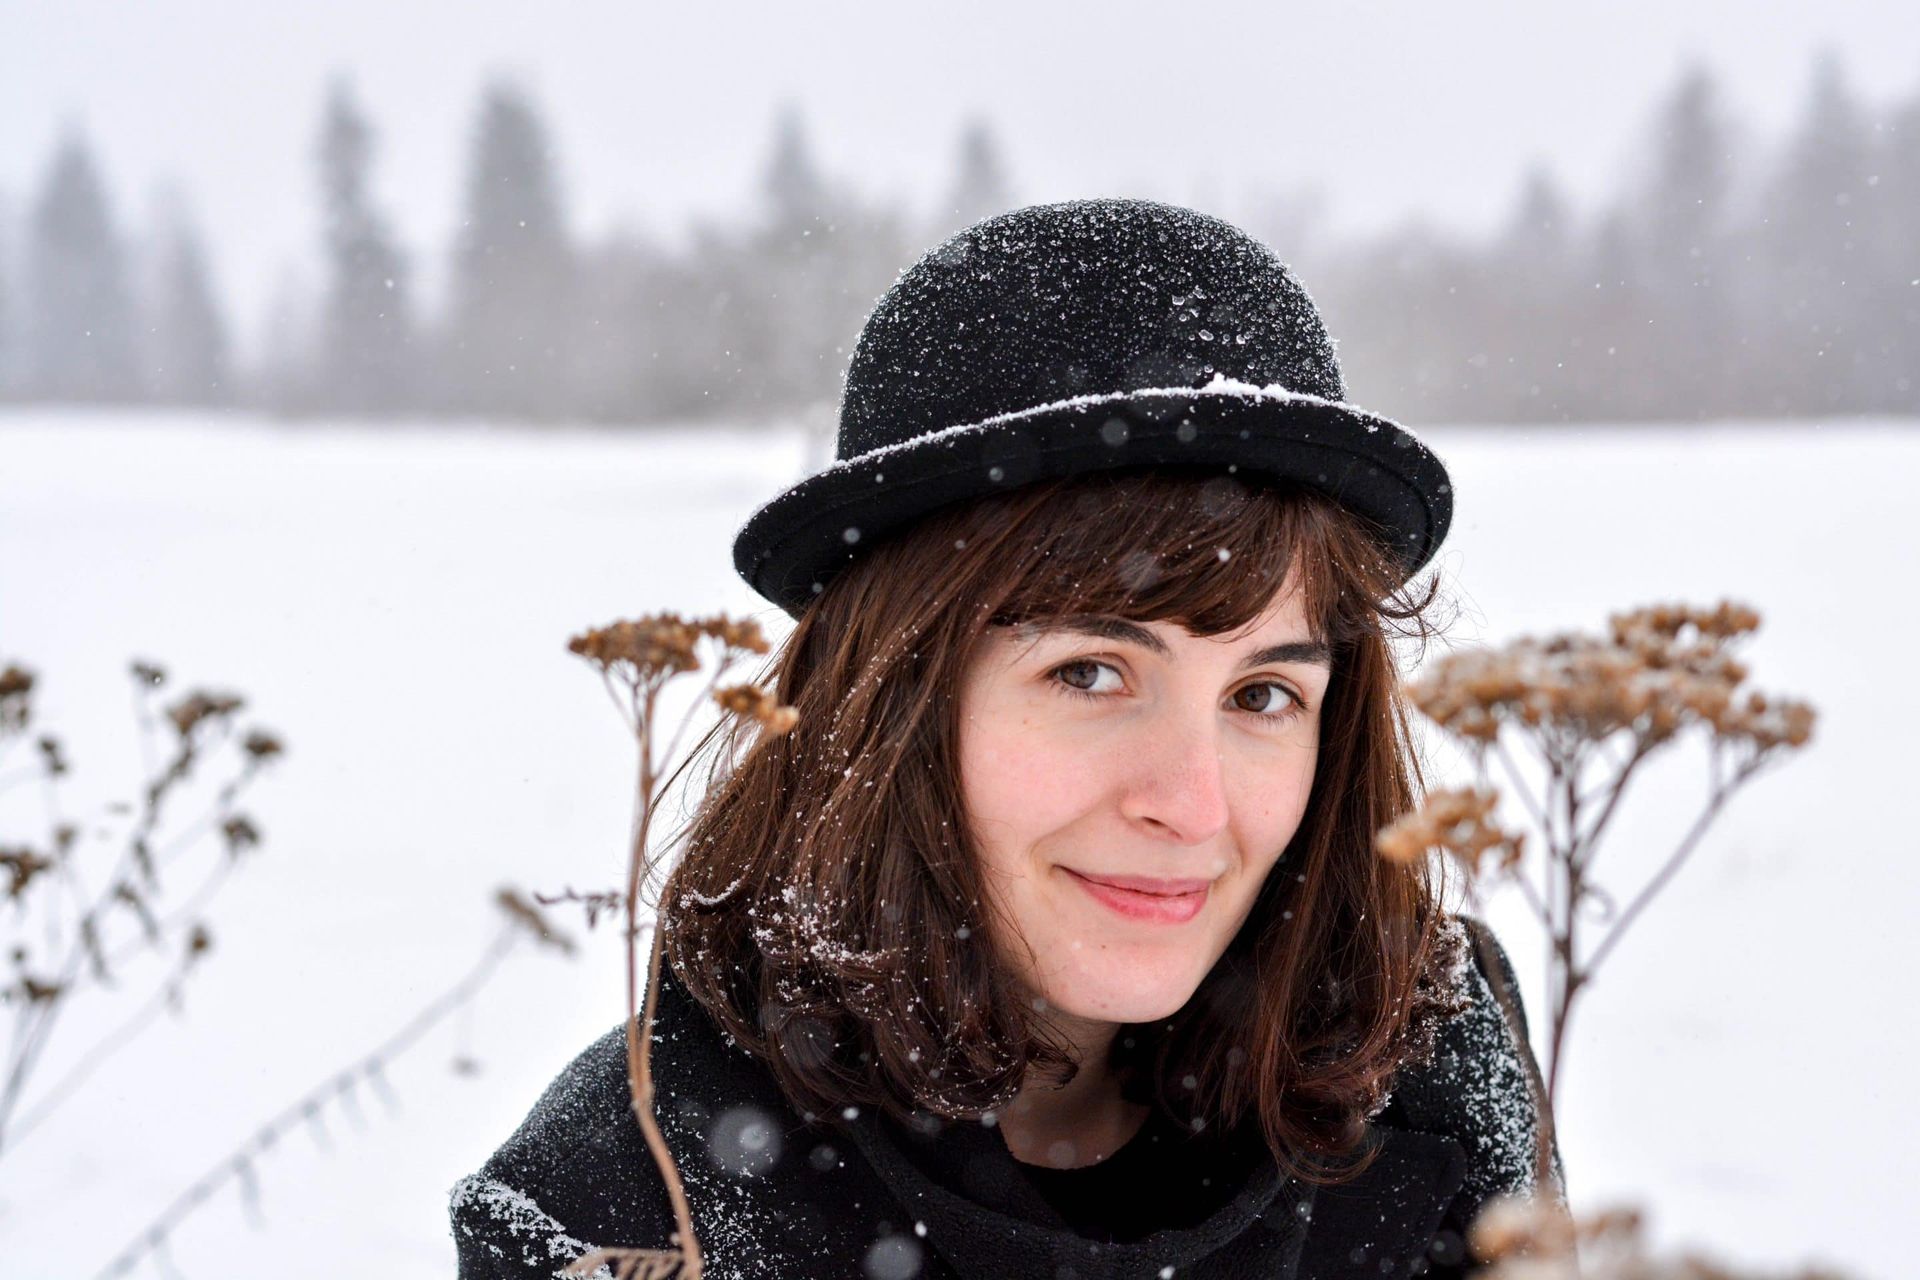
(1083, 336)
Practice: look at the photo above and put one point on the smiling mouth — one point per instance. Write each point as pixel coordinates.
(1166, 902)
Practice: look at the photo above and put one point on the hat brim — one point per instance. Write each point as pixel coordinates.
(791, 547)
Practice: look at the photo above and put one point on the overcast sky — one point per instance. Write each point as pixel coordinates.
(662, 113)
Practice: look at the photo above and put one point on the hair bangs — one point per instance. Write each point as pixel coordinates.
(1204, 550)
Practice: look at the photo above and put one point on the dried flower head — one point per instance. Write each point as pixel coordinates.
(662, 644)
(21, 865)
(150, 674)
(191, 711)
(740, 634)
(16, 689)
(240, 833)
(1457, 822)
(1658, 670)
(260, 745)
(1523, 1239)
(37, 992)
(1513, 1226)
(755, 703)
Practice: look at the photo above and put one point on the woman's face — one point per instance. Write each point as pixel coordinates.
(1129, 786)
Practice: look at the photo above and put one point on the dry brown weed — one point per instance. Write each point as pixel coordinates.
(638, 658)
(1587, 712)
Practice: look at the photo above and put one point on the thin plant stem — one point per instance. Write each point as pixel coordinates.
(32, 1035)
(1586, 842)
(236, 1163)
(1569, 978)
(93, 1059)
(722, 665)
(1519, 784)
(606, 679)
(639, 1025)
(1668, 870)
(170, 922)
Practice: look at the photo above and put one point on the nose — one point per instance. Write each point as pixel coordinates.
(1177, 788)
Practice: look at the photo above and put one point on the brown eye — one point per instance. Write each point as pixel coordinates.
(1261, 698)
(1085, 676)
(1080, 675)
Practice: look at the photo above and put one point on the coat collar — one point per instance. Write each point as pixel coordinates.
(1276, 1227)
(1023, 1230)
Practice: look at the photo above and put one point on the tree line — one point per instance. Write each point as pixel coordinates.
(1728, 277)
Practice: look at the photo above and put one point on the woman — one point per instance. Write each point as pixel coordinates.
(1053, 942)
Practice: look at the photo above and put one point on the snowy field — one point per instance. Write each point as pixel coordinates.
(395, 602)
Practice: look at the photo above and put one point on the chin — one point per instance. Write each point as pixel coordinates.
(1123, 992)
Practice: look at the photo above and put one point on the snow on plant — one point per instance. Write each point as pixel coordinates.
(1590, 710)
(637, 660)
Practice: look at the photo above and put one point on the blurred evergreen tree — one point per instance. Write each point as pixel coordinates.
(512, 307)
(9, 378)
(1815, 280)
(1678, 216)
(791, 299)
(369, 362)
(1531, 366)
(980, 187)
(1539, 232)
(1892, 228)
(791, 185)
(80, 317)
(188, 358)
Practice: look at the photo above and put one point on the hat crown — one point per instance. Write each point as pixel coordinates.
(1083, 297)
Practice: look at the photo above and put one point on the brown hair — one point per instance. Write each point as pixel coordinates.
(828, 908)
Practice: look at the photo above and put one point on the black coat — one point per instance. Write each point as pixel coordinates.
(774, 1196)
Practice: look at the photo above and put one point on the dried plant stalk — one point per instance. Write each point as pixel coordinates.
(640, 658)
(64, 939)
(1582, 704)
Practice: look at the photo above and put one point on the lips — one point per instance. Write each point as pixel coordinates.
(1144, 898)
(1147, 884)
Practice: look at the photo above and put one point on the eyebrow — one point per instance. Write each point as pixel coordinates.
(1109, 628)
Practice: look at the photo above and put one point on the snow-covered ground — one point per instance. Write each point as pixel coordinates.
(395, 600)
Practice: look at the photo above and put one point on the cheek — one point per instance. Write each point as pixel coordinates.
(1271, 803)
(1019, 785)
(1287, 801)
(1013, 793)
